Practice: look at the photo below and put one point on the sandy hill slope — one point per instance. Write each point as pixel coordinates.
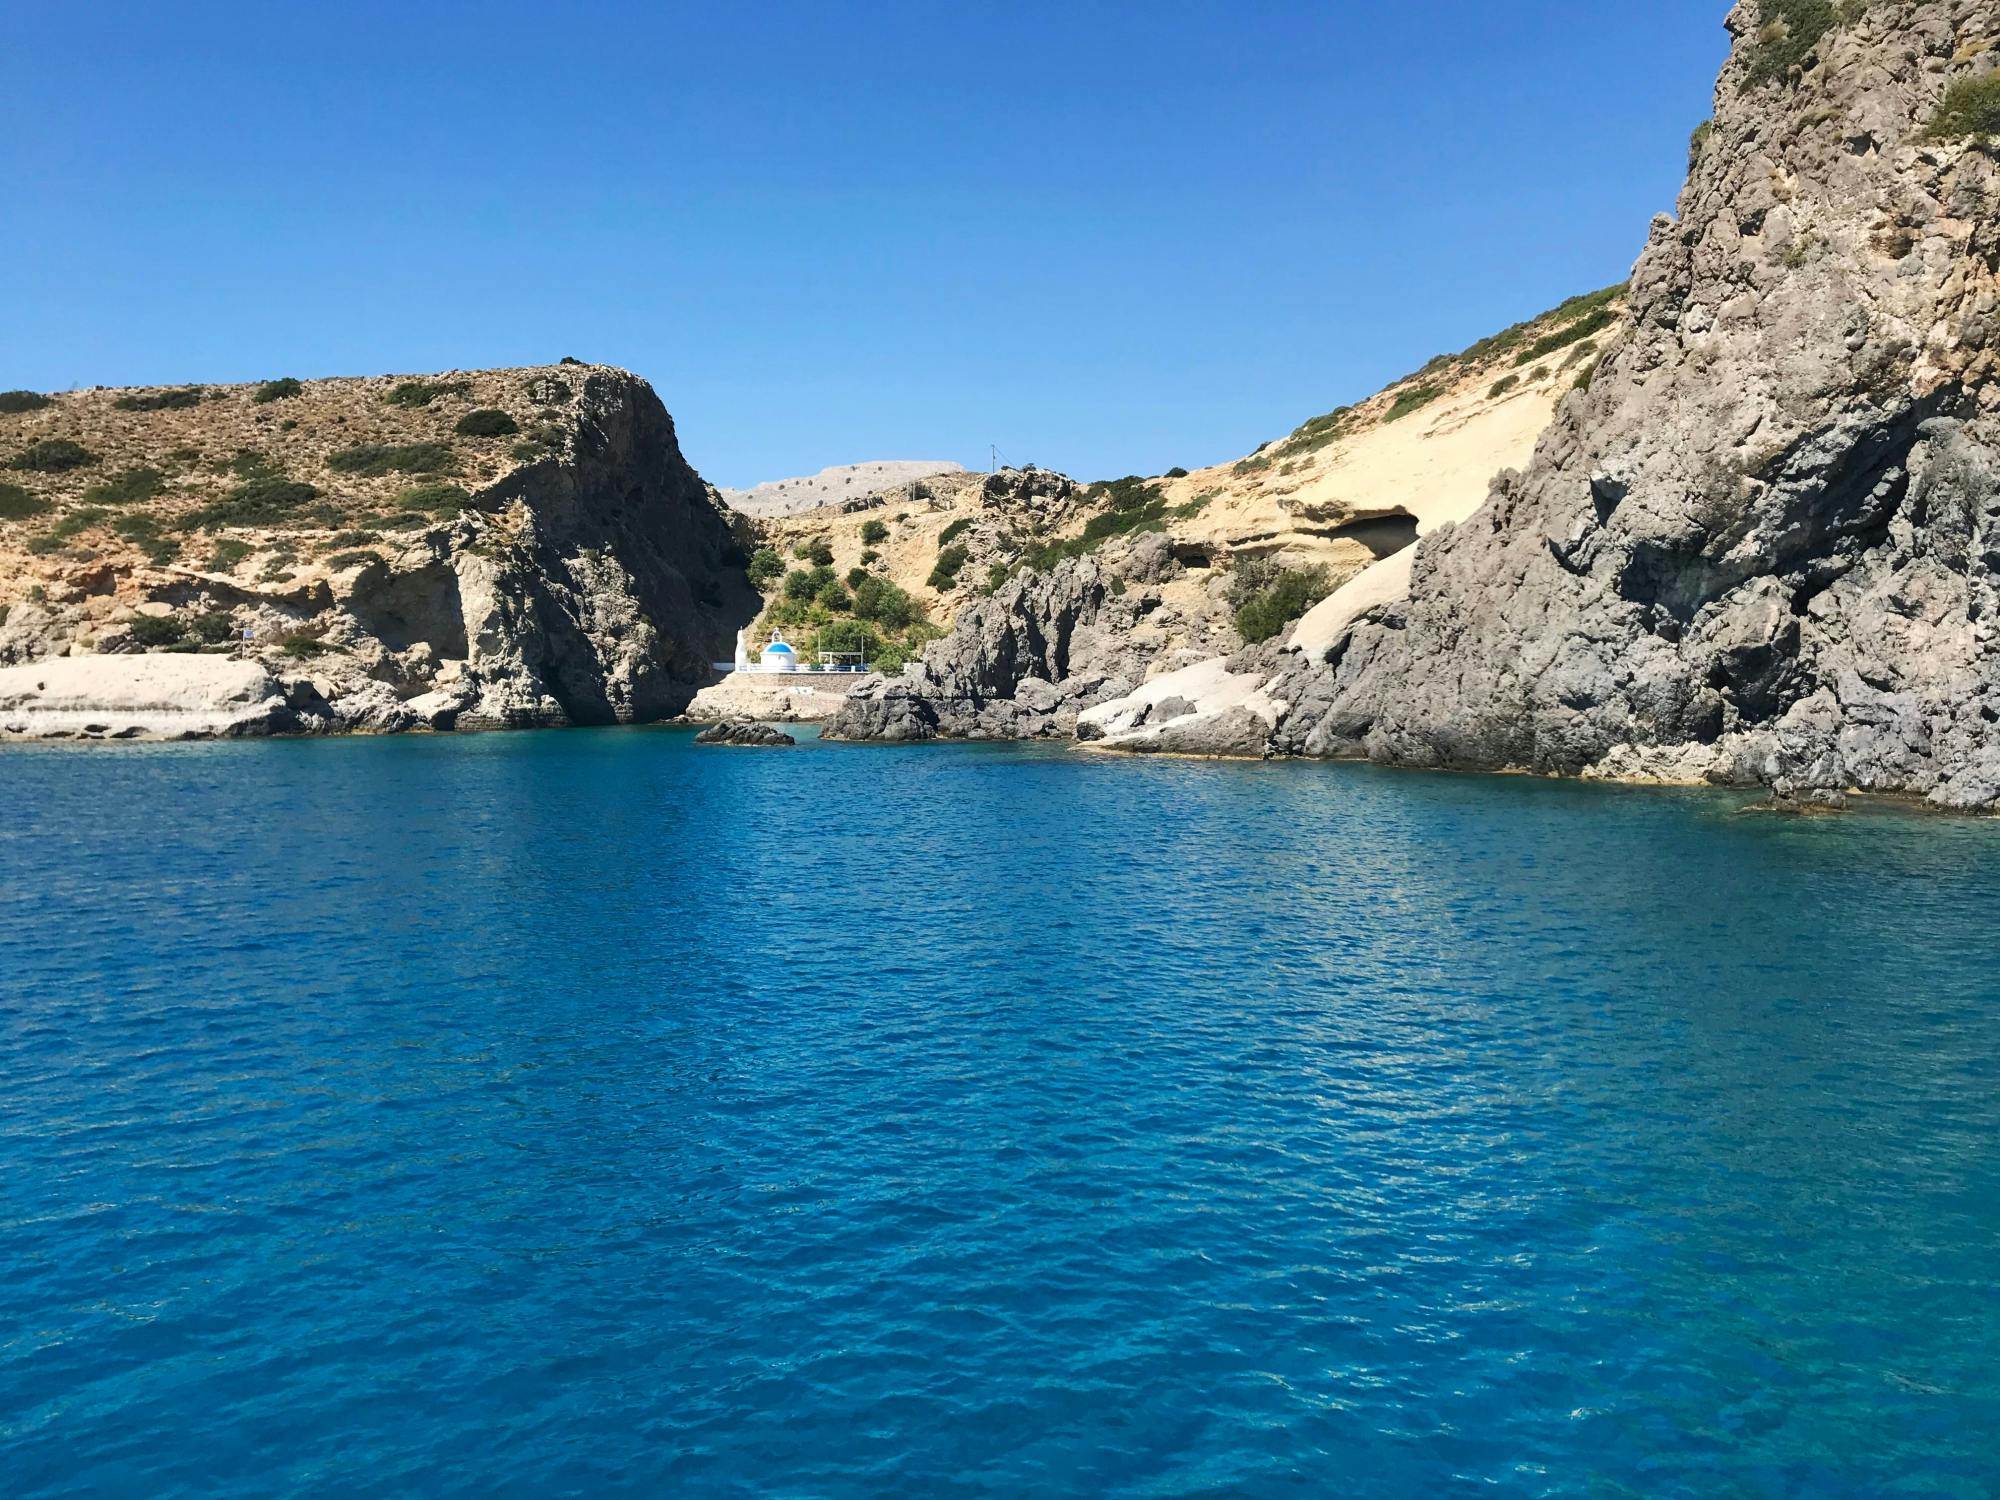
(1340, 491)
(831, 486)
(496, 547)
(1359, 482)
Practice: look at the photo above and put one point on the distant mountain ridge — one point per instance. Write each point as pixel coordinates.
(791, 497)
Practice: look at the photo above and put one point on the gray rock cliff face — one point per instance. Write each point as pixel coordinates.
(1762, 546)
(611, 584)
(1017, 665)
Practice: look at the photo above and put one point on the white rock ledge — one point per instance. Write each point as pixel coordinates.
(138, 697)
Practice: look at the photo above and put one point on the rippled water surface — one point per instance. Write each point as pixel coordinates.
(584, 1113)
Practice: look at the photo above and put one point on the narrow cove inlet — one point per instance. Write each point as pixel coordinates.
(567, 1112)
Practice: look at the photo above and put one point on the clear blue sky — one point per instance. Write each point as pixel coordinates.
(1107, 237)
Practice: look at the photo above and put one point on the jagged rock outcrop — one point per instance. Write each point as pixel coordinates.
(1020, 664)
(739, 732)
(1763, 546)
(577, 572)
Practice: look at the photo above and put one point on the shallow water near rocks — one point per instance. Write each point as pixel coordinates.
(587, 1112)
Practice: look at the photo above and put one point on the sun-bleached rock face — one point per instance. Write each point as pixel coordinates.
(1763, 546)
(140, 697)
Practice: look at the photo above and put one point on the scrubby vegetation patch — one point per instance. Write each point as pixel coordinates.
(1413, 399)
(1267, 597)
(421, 393)
(12, 403)
(373, 460)
(53, 456)
(487, 422)
(277, 390)
(1970, 111)
(127, 487)
(18, 504)
(182, 399)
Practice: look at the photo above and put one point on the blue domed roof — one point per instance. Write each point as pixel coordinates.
(779, 646)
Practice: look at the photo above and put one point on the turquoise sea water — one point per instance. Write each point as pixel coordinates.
(588, 1113)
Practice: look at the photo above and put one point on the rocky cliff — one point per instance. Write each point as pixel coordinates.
(1022, 662)
(1170, 559)
(1762, 546)
(485, 549)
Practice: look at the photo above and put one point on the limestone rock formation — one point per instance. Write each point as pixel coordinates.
(1762, 547)
(492, 549)
(138, 697)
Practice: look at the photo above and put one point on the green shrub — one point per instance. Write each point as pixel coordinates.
(277, 390)
(176, 400)
(301, 644)
(1583, 328)
(1177, 473)
(800, 586)
(42, 546)
(352, 559)
(1411, 400)
(870, 556)
(1790, 31)
(126, 487)
(256, 502)
(14, 402)
(226, 554)
(373, 460)
(144, 531)
(527, 452)
(832, 594)
(819, 554)
(850, 636)
(950, 560)
(873, 532)
(155, 631)
(433, 498)
(893, 654)
(886, 604)
(855, 577)
(1584, 376)
(252, 463)
(487, 422)
(17, 504)
(213, 628)
(1971, 109)
(1502, 386)
(1289, 593)
(954, 531)
(765, 565)
(52, 456)
(419, 393)
(1698, 142)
